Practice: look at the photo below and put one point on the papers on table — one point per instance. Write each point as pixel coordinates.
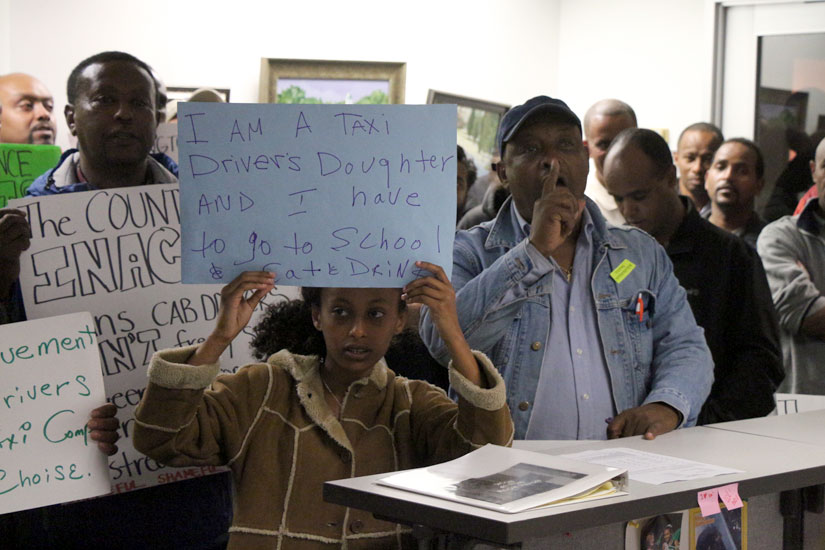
(511, 480)
(650, 467)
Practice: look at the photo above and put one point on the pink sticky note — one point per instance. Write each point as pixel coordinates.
(730, 496)
(709, 502)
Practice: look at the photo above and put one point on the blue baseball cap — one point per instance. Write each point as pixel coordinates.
(515, 117)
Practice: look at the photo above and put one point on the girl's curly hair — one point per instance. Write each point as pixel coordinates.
(288, 325)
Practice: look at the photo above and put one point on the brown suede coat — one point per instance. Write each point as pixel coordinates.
(270, 423)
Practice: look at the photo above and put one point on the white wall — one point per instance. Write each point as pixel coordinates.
(651, 53)
(655, 55)
(5, 36)
(463, 47)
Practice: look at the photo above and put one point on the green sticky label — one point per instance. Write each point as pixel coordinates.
(20, 165)
(622, 271)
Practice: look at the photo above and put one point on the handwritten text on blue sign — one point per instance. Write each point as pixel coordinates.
(323, 195)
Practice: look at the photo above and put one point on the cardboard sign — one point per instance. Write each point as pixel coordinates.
(166, 140)
(20, 165)
(323, 195)
(116, 253)
(49, 383)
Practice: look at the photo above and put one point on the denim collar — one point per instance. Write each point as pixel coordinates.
(507, 232)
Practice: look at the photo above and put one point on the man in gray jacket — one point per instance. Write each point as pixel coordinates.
(793, 253)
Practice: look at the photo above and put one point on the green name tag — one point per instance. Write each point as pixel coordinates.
(622, 271)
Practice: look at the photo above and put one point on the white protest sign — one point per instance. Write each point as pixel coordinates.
(166, 140)
(49, 383)
(116, 253)
(323, 195)
(791, 403)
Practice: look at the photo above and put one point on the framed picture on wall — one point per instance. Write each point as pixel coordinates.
(183, 93)
(332, 82)
(176, 94)
(477, 123)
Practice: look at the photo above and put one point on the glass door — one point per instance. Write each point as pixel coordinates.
(771, 71)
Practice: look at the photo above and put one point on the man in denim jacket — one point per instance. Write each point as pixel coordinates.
(588, 325)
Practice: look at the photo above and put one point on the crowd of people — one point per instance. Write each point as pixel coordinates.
(605, 288)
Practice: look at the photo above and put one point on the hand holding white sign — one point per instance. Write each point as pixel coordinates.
(51, 381)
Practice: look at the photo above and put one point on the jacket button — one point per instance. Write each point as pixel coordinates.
(345, 457)
(523, 406)
(535, 346)
(356, 526)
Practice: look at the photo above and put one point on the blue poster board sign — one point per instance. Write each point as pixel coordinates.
(323, 195)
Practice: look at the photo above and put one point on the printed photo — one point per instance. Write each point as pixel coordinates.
(514, 483)
(724, 531)
(662, 532)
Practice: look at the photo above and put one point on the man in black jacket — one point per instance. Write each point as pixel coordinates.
(724, 279)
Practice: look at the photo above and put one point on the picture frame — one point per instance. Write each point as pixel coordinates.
(327, 81)
(477, 123)
(728, 529)
(182, 93)
(177, 94)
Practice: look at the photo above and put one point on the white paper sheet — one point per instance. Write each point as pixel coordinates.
(651, 468)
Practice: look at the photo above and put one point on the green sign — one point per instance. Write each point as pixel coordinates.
(20, 165)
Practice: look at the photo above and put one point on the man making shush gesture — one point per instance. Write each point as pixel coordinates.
(586, 322)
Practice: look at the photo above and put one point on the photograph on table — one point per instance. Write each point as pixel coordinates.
(514, 483)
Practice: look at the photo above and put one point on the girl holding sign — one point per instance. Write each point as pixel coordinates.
(286, 426)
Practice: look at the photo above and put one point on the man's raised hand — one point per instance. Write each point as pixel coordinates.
(555, 213)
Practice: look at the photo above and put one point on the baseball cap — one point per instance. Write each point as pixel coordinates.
(515, 117)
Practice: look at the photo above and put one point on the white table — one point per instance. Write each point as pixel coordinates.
(770, 465)
(806, 427)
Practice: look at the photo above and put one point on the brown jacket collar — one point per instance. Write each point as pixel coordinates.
(305, 369)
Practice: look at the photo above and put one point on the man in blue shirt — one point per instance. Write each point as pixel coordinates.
(586, 321)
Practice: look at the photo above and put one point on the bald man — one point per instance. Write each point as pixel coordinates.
(602, 123)
(28, 111)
